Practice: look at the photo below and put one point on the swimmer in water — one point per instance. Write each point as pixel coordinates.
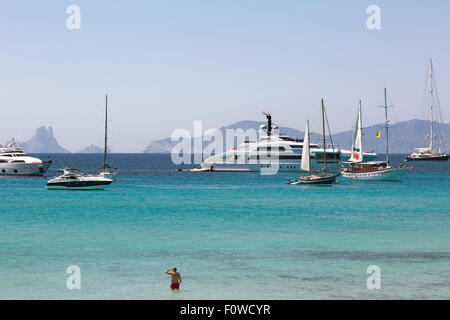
(176, 278)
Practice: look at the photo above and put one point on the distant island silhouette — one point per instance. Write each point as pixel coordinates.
(403, 138)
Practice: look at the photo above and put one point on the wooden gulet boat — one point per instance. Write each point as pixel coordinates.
(373, 170)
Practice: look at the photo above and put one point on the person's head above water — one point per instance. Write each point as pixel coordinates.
(174, 269)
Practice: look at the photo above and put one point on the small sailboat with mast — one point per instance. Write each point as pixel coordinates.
(322, 176)
(106, 170)
(372, 170)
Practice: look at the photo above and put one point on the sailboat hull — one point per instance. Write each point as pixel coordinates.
(440, 157)
(317, 179)
(393, 174)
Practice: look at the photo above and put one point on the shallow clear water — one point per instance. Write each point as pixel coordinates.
(232, 235)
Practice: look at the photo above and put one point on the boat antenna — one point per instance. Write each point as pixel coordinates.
(323, 131)
(269, 123)
(105, 163)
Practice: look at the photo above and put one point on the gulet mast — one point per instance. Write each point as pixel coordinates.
(105, 162)
(323, 132)
(387, 127)
(431, 104)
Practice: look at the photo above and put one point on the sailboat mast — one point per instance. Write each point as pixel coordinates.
(324, 146)
(105, 163)
(387, 127)
(431, 104)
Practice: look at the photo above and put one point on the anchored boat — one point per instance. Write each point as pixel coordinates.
(72, 179)
(15, 162)
(428, 154)
(273, 152)
(106, 172)
(321, 176)
(372, 170)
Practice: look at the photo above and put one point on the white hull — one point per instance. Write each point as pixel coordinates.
(274, 167)
(393, 174)
(367, 156)
(76, 188)
(270, 154)
(108, 175)
(73, 180)
(24, 169)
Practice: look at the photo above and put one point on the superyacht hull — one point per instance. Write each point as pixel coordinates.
(277, 167)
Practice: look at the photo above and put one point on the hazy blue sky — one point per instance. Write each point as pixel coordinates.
(165, 64)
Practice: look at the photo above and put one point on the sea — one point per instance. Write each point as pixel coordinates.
(231, 235)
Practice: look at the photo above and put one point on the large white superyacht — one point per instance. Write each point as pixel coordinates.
(15, 162)
(273, 152)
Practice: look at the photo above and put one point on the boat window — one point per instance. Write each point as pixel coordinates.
(281, 157)
(291, 139)
(293, 146)
(16, 161)
(329, 155)
(269, 148)
(290, 157)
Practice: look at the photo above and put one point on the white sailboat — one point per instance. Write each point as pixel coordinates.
(306, 158)
(322, 176)
(428, 154)
(372, 170)
(106, 173)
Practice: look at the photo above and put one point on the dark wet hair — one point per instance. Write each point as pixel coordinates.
(175, 269)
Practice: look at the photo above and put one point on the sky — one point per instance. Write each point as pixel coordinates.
(165, 64)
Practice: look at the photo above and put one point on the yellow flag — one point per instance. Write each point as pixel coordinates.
(378, 134)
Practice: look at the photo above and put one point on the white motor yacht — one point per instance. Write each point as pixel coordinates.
(71, 179)
(15, 162)
(272, 153)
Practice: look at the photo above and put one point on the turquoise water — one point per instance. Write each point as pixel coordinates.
(231, 235)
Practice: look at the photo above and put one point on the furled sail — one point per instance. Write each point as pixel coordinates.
(306, 165)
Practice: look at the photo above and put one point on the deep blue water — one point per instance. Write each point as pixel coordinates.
(232, 235)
